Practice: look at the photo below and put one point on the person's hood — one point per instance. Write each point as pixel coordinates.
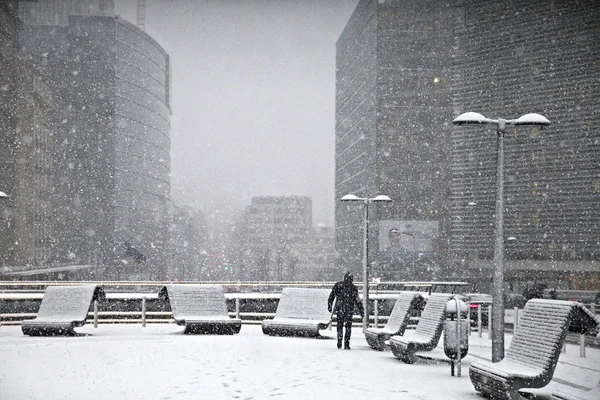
(348, 277)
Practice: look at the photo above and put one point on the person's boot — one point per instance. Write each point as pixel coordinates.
(339, 344)
(347, 346)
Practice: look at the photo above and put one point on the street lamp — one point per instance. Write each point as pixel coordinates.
(366, 201)
(473, 118)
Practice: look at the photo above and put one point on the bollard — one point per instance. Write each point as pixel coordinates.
(456, 333)
(516, 318)
(237, 307)
(479, 324)
(489, 322)
(564, 349)
(582, 345)
(376, 312)
(593, 308)
(143, 311)
(95, 313)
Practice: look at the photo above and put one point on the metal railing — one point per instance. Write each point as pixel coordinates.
(236, 291)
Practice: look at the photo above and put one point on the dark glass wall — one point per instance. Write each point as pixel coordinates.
(515, 58)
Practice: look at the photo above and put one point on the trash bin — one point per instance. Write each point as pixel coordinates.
(456, 340)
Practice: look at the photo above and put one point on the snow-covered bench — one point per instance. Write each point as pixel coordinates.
(63, 308)
(300, 312)
(397, 322)
(534, 350)
(200, 308)
(428, 332)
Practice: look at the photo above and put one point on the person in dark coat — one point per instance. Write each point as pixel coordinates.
(345, 295)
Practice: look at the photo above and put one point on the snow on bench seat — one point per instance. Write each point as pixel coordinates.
(62, 309)
(577, 394)
(300, 312)
(428, 332)
(396, 324)
(200, 308)
(534, 350)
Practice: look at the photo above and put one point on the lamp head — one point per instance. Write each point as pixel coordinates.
(470, 118)
(351, 197)
(3, 195)
(532, 119)
(381, 198)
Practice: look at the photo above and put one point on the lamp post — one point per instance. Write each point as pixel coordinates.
(366, 201)
(414, 248)
(473, 118)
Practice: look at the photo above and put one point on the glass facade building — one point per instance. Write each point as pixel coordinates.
(112, 146)
(405, 70)
(392, 101)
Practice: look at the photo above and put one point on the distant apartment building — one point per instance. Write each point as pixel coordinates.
(405, 69)
(270, 235)
(316, 256)
(189, 245)
(57, 12)
(111, 152)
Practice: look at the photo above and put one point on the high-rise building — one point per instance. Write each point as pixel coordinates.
(405, 69)
(112, 144)
(392, 106)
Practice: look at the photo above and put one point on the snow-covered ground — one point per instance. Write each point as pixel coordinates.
(158, 362)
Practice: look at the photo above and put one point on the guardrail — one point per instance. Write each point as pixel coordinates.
(238, 286)
(236, 291)
(143, 315)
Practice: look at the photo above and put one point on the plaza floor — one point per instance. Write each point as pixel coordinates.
(158, 362)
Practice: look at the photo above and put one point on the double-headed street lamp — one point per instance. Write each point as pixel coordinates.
(366, 201)
(473, 118)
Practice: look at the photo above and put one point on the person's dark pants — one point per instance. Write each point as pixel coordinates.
(344, 321)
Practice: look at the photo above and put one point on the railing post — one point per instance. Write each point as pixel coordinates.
(479, 323)
(237, 307)
(469, 319)
(143, 311)
(489, 322)
(582, 345)
(376, 312)
(593, 308)
(515, 318)
(95, 313)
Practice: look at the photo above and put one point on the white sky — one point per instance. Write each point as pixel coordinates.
(253, 97)
(127, 361)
